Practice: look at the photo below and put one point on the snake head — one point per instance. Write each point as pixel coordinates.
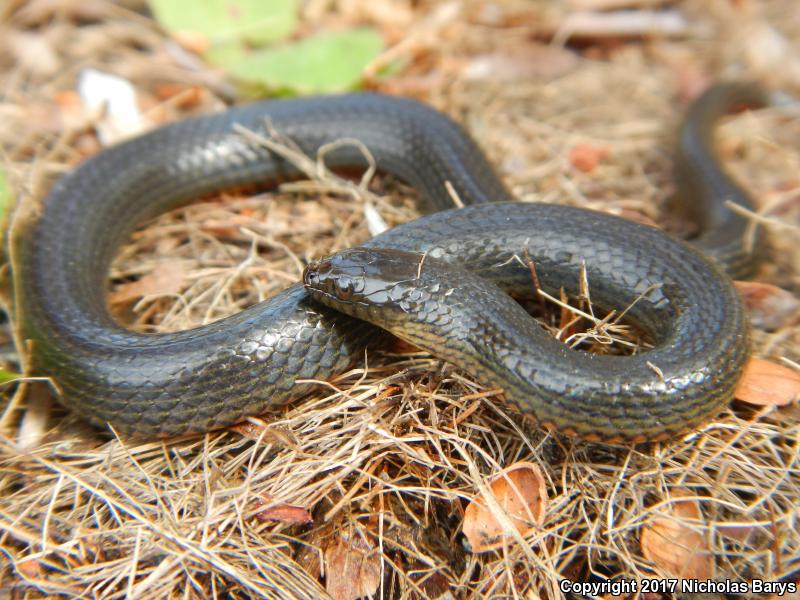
(360, 280)
(339, 276)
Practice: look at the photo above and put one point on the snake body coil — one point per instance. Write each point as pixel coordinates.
(214, 375)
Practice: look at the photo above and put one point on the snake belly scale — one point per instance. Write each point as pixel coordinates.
(214, 375)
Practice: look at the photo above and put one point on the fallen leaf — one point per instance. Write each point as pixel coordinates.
(739, 532)
(167, 278)
(606, 5)
(6, 376)
(623, 23)
(763, 46)
(531, 61)
(521, 492)
(284, 220)
(309, 558)
(266, 432)
(224, 23)
(352, 567)
(325, 62)
(30, 568)
(282, 513)
(434, 584)
(181, 95)
(789, 595)
(765, 383)
(691, 79)
(585, 157)
(386, 13)
(674, 542)
(770, 307)
(70, 110)
(37, 12)
(640, 596)
(193, 41)
(248, 429)
(33, 52)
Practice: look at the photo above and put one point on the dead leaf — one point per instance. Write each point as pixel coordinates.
(521, 491)
(249, 429)
(266, 431)
(770, 307)
(309, 558)
(527, 62)
(352, 567)
(790, 595)
(739, 532)
(192, 41)
(386, 13)
(282, 513)
(180, 95)
(640, 596)
(765, 383)
(167, 278)
(33, 52)
(691, 78)
(585, 157)
(37, 12)
(70, 110)
(30, 568)
(606, 5)
(674, 542)
(623, 23)
(434, 584)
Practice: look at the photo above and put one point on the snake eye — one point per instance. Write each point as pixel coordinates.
(344, 287)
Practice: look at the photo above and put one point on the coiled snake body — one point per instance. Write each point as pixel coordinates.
(215, 375)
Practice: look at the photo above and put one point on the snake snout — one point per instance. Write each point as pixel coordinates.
(339, 277)
(314, 273)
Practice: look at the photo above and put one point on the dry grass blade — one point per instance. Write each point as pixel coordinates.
(385, 458)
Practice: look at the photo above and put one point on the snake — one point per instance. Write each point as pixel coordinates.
(452, 268)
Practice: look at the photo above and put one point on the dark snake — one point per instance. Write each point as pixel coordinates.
(212, 376)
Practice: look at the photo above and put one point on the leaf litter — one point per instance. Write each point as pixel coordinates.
(386, 457)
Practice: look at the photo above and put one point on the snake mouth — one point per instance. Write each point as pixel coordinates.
(337, 277)
(317, 280)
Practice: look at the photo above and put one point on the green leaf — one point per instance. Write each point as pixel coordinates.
(6, 376)
(225, 22)
(327, 62)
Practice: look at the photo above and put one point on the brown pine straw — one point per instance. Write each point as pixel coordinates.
(386, 456)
